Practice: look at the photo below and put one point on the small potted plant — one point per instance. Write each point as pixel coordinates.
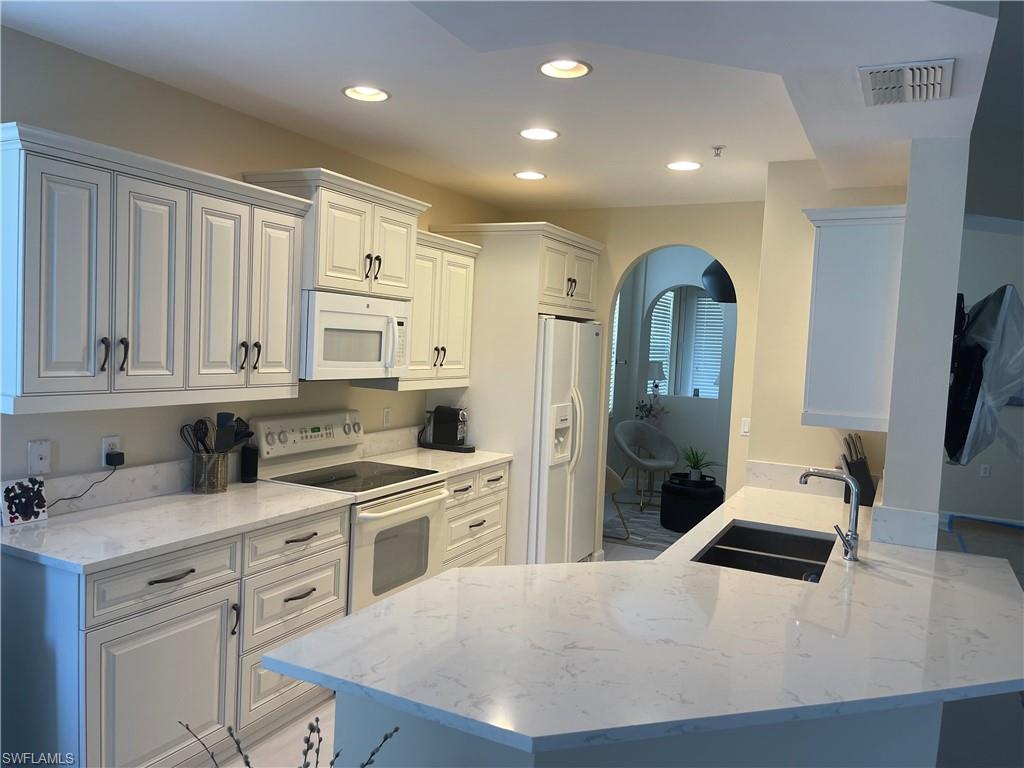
(697, 461)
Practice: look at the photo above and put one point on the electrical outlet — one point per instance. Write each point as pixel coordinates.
(108, 444)
(745, 426)
(386, 416)
(986, 470)
(38, 457)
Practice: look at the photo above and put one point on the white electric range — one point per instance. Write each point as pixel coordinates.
(397, 513)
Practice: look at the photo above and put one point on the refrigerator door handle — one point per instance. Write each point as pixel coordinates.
(578, 426)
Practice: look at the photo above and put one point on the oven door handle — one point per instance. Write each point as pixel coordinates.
(434, 498)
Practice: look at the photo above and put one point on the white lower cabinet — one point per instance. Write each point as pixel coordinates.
(492, 553)
(475, 518)
(145, 674)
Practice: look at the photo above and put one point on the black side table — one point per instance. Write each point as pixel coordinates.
(685, 502)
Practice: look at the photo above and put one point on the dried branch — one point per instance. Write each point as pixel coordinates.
(319, 741)
(389, 735)
(195, 736)
(238, 747)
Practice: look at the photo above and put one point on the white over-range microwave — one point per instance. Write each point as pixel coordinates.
(353, 337)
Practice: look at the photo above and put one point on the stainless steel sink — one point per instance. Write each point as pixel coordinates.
(792, 553)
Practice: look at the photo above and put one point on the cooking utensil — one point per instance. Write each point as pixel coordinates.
(860, 447)
(851, 452)
(204, 429)
(225, 419)
(224, 440)
(857, 466)
(188, 437)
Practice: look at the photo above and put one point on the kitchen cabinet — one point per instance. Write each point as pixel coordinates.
(852, 328)
(67, 324)
(475, 518)
(567, 276)
(365, 236)
(219, 302)
(130, 282)
(150, 259)
(442, 309)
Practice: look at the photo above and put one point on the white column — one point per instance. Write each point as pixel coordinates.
(924, 328)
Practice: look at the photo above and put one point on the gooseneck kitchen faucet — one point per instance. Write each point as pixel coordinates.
(849, 538)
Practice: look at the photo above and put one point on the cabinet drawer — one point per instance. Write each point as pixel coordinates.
(463, 489)
(493, 480)
(137, 587)
(298, 538)
(293, 596)
(471, 527)
(492, 553)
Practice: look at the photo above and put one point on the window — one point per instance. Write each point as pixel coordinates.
(686, 332)
(614, 355)
(662, 346)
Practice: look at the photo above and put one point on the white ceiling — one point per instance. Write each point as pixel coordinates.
(771, 81)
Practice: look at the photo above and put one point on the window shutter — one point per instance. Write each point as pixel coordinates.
(614, 355)
(662, 325)
(708, 331)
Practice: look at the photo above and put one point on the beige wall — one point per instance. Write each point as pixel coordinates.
(731, 232)
(56, 88)
(782, 319)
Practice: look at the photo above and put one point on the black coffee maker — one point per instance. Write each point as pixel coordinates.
(446, 430)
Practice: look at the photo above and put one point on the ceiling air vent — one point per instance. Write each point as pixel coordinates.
(910, 82)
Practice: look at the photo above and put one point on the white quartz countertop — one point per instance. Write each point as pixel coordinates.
(558, 656)
(445, 463)
(85, 542)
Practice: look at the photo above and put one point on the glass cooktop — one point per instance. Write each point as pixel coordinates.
(356, 476)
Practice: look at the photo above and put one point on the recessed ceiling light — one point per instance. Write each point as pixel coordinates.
(683, 165)
(565, 68)
(538, 134)
(366, 93)
(530, 175)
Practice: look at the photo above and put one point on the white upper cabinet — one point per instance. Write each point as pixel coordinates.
(555, 263)
(150, 260)
(129, 282)
(67, 329)
(455, 316)
(274, 313)
(852, 330)
(219, 298)
(424, 351)
(365, 235)
(581, 279)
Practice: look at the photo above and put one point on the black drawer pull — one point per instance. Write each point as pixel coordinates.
(106, 353)
(171, 579)
(245, 356)
(124, 358)
(437, 355)
(369, 265)
(497, 479)
(238, 617)
(259, 351)
(303, 596)
(477, 525)
(463, 489)
(444, 356)
(301, 539)
(379, 260)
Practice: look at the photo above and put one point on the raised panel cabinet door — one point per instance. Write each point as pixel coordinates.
(344, 242)
(455, 316)
(583, 272)
(424, 352)
(554, 273)
(394, 240)
(67, 277)
(150, 263)
(144, 674)
(220, 350)
(274, 310)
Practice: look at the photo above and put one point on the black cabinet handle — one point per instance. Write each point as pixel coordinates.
(463, 489)
(238, 617)
(437, 355)
(369, 265)
(568, 286)
(497, 479)
(379, 261)
(477, 525)
(259, 350)
(444, 355)
(303, 596)
(171, 579)
(301, 539)
(572, 286)
(245, 357)
(106, 353)
(124, 358)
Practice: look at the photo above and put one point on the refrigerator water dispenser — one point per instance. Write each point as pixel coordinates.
(561, 433)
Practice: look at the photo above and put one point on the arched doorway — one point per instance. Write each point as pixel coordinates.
(672, 364)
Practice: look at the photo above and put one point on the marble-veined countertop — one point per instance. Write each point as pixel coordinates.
(557, 656)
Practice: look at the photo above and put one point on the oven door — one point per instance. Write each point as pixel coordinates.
(396, 542)
(352, 337)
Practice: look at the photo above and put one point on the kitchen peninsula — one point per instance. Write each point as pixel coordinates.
(673, 661)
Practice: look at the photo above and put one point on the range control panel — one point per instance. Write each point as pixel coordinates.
(287, 435)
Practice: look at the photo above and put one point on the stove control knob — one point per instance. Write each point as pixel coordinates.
(347, 429)
(357, 427)
(282, 437)
(269, 437)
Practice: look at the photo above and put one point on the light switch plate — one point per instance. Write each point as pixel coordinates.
(39, 457)
(745, 426)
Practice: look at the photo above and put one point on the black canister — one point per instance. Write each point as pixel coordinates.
(250, 463)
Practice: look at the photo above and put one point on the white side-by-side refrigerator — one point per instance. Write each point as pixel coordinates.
(567, 414)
